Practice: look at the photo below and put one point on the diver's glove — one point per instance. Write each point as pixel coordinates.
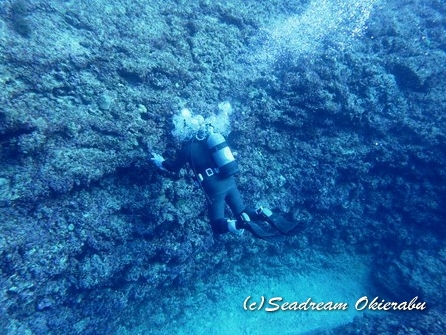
(158, 160)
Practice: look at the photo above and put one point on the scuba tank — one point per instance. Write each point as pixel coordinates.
(222, 155)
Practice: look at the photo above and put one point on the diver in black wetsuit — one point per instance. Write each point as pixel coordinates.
(218, 183)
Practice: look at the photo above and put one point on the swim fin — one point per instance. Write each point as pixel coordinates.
(264, 231)
(281, 224)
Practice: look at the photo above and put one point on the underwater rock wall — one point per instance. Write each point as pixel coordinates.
(349, 140)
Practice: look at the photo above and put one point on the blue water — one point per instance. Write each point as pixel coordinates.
(336, 121)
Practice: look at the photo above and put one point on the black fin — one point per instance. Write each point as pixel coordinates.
(284, 226)
(264, 231)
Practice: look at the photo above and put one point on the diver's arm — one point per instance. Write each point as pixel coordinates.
(171, 165)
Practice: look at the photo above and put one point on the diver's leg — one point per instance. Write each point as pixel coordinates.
(235, 201)
(244, 221)
(216, 212)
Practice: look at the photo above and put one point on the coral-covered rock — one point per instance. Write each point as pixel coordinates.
(341, 129)
(413, 273)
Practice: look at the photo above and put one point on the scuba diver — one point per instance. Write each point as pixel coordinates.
(214, 167)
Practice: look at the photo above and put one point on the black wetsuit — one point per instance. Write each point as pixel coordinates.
(218, 189)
